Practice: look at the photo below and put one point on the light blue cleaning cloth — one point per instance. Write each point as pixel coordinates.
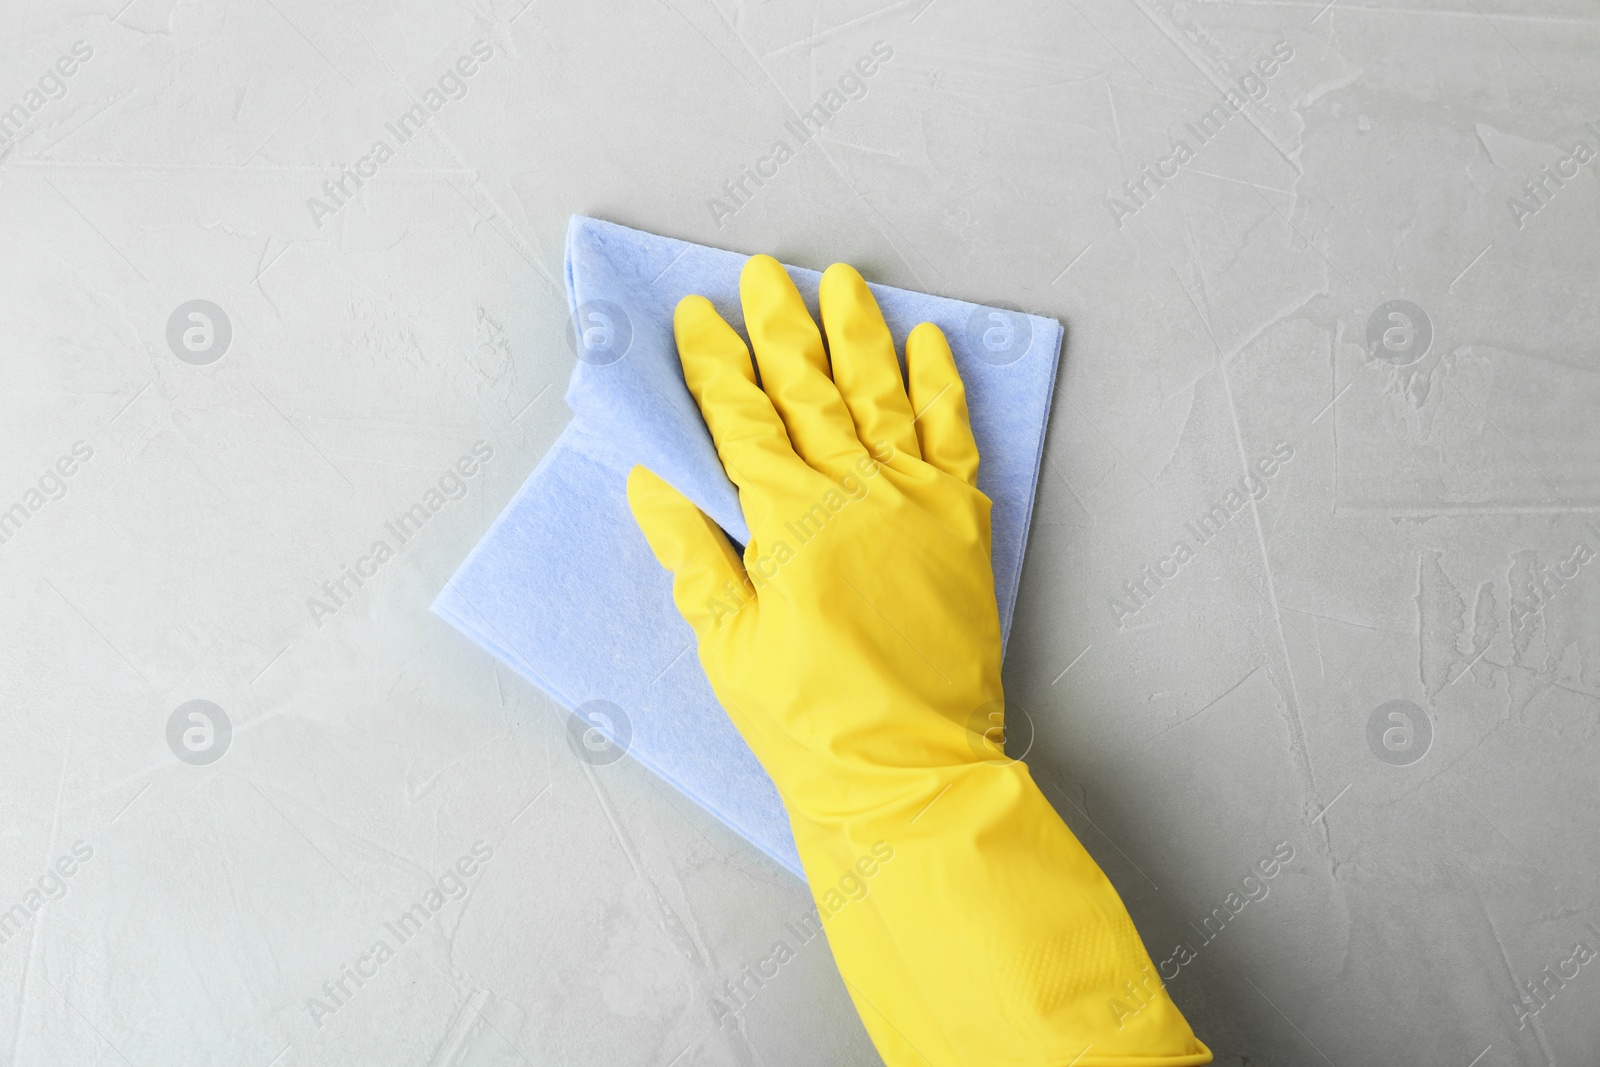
(563, 588)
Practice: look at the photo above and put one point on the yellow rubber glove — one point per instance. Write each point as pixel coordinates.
(856, 646)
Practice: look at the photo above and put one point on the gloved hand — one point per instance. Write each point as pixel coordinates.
(856, 646)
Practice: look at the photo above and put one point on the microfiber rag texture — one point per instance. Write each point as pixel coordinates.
(563, 588)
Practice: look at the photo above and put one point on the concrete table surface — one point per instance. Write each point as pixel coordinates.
(1312, 575)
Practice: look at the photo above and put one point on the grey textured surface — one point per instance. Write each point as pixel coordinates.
(1420, 545)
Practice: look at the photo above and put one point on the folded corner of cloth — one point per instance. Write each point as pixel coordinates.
(563, 589)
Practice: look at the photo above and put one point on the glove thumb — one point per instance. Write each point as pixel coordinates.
(708, 579)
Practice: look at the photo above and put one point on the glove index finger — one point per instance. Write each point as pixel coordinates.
(750, 437)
